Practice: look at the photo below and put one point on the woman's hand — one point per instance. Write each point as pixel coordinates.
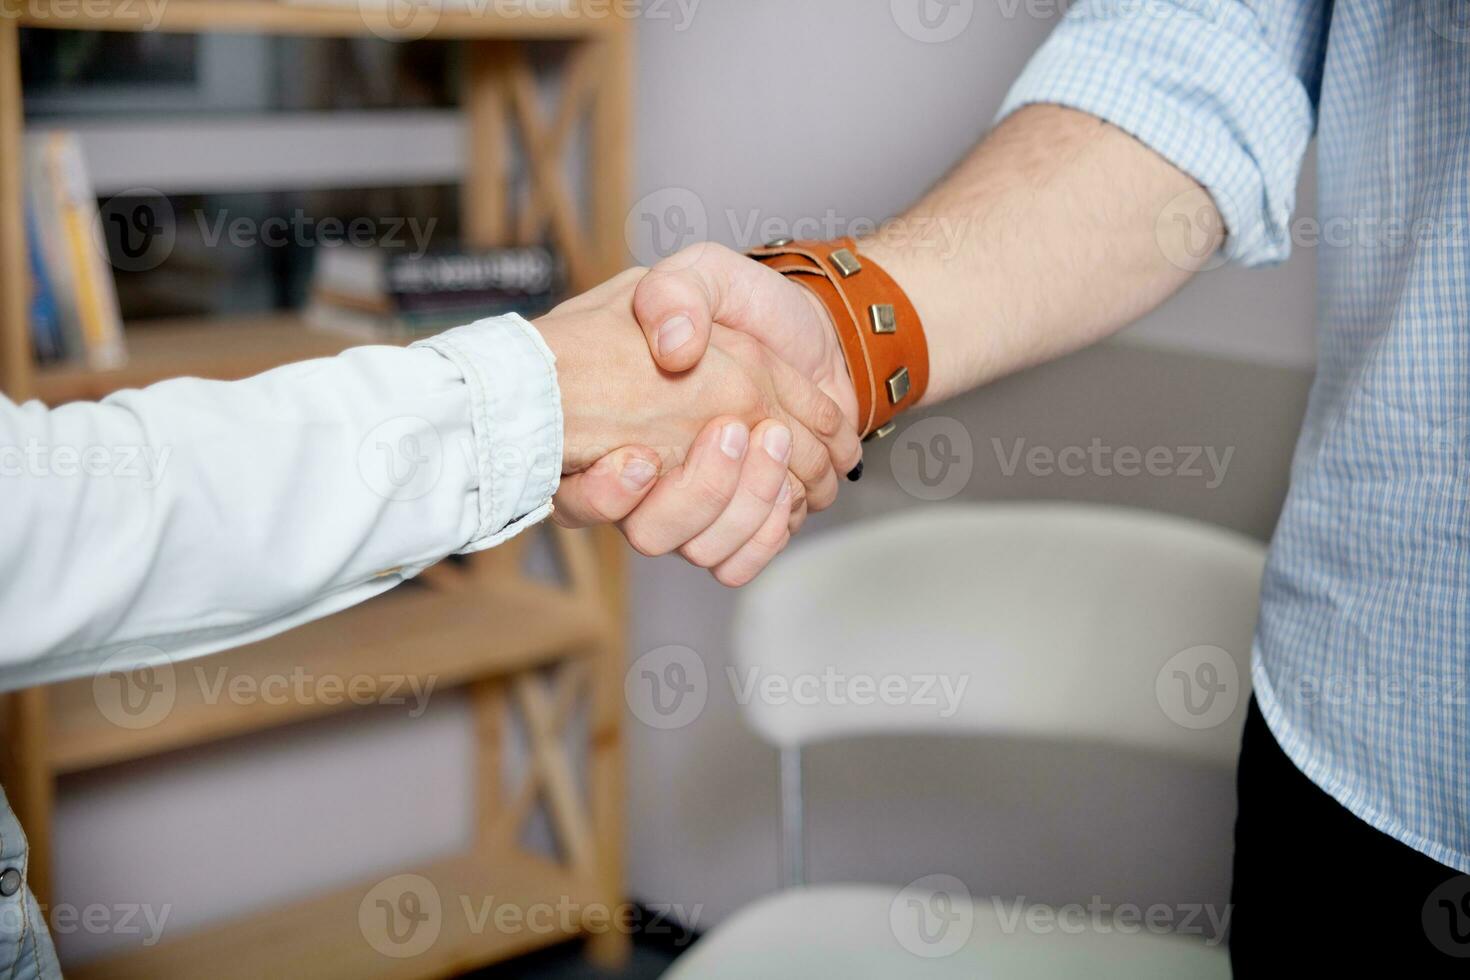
(746, 442)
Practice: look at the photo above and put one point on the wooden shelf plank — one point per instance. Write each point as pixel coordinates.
(521, 19)
(323, 938)
(224, 348)
(451, 637)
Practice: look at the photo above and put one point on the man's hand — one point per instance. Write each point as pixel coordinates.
(728, 504)
(681, 298)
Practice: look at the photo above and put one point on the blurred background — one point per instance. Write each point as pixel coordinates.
(224, 126)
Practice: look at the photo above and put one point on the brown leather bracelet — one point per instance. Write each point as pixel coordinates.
(878, 328)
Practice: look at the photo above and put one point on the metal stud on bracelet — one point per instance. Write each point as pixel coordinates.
(882, 318)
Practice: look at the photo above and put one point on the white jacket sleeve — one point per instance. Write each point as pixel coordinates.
(197, 515)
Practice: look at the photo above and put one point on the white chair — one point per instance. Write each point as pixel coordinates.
(1074, 623)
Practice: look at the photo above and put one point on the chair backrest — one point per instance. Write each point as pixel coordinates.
(1054, 621)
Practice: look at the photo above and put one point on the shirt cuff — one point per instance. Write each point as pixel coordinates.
(516, 419)
(1204, 91)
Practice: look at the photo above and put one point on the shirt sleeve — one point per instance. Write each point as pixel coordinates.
(1226, 90)
(196, 515)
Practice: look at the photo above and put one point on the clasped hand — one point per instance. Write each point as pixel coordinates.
(719, 448)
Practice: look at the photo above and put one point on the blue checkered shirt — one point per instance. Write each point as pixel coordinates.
(1362, 654)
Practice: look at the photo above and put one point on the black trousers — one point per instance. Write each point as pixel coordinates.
(1315, 887)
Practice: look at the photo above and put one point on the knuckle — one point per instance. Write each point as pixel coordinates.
(699, 553)
(828, 418)
(640, 539)
(733, 575)
(822, 496)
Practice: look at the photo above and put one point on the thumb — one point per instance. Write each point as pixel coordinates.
(678, 300)
(608, 491)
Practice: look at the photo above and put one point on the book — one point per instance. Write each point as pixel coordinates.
(45, 326)
(72, 250)
(378, 292)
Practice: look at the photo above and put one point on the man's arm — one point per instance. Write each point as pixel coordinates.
(1058, 230)
(1184, 130)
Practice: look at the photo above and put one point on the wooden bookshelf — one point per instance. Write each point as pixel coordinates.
(526, 652)
(214, 347)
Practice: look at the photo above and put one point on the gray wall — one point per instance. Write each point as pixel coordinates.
(740, 119)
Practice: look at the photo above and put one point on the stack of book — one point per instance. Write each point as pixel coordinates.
(74, 311)
(383, 294)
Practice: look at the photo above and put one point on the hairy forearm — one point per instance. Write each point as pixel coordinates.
(1058, 230)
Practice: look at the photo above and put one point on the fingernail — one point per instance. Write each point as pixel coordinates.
(778, 442)
(857, 473)
(785, 492)
(637, 473)
(734, 437)
(675, 333)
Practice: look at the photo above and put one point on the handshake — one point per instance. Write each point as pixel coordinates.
(719, 444)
